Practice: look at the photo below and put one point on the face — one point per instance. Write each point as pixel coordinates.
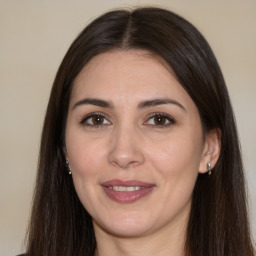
(135, 144)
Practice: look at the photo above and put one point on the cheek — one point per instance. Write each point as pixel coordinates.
(177, 155)
(86, 163)
(82, 152)
(177, 163)
(177, 166)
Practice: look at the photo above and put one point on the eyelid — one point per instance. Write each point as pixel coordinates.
(170, 119)
(90, 115)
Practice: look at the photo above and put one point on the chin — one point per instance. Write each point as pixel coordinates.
(128, 226)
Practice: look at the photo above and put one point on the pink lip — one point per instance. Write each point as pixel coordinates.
(127, 196)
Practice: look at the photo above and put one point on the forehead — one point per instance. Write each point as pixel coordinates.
(128, 75)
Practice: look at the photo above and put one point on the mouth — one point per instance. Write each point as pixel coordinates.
(127, 191)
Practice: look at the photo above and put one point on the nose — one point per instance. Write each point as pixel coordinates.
(126, 148)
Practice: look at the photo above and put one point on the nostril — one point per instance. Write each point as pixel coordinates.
(127, 160)
(124, 163)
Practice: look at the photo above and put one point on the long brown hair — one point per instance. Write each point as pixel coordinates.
(218, 224)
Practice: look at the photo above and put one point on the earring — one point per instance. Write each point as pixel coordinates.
(68, 168)
(209, 169)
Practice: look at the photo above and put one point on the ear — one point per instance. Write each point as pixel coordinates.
(211, 150)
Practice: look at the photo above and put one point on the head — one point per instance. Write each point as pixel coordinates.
(174, 44)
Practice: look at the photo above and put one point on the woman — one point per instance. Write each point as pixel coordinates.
(139, 151)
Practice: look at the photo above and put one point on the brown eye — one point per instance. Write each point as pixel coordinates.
(95, 120)
(160, 120)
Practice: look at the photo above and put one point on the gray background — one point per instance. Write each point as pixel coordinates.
(34, 36)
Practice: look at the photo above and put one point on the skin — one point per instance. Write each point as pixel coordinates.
(130, 144)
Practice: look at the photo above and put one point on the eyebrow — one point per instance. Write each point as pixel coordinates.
(95, 102)
(161, 101)
(142, 105)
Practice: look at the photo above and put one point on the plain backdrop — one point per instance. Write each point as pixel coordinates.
(34, 36)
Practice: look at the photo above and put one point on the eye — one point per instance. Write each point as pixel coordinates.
(160, 120)
(95, 120)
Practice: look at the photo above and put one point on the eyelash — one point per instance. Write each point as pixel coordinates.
(170, 120)
(87, 117)
(166, 117)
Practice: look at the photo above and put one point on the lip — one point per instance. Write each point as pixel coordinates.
(142, 190)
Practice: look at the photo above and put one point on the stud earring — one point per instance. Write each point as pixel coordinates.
(209, 169)
(68, 168)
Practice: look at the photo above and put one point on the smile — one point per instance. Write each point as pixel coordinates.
(127, 191)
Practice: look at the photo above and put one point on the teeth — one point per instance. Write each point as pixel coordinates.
(125, 189)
